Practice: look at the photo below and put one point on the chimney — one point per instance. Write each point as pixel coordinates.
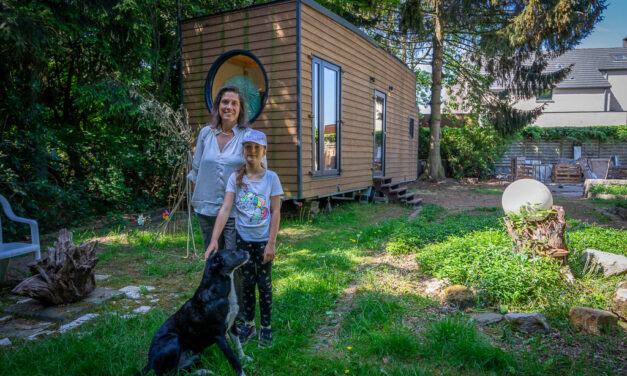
(625, 42)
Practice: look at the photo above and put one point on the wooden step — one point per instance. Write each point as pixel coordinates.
(406, 196)
(416, 201)
(398, 191)
(389, 185)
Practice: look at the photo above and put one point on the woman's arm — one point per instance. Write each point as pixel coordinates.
(218, 226)
(198, 151)
(275, 215)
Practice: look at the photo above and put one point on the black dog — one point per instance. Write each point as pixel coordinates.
(203, 320)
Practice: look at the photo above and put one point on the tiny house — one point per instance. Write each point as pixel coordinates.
(338, 110)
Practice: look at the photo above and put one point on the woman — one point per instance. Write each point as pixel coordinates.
(218, 154)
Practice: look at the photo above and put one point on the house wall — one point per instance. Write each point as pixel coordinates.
(618, 92)
(579, 107)
(269, 32)
(359, 60)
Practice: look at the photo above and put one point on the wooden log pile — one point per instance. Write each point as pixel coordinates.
(544, 237)
(65, 275)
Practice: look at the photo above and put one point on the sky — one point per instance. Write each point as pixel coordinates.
(611, 31)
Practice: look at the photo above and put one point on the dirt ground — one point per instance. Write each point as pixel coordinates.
(456, 196)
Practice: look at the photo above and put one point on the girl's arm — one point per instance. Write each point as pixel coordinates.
(275, 213)
(218, 226)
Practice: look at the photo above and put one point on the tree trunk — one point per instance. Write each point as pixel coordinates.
(544, 238)
(65, 275)
(435, 170)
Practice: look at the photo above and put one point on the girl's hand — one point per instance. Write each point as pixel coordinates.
(213, 247)
(268, 253)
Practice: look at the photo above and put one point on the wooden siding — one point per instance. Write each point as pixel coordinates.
(269, 32)
(359, 60)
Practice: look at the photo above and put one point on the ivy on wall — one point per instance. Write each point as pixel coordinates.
(580, 134)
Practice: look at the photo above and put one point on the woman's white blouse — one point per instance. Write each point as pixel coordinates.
(211, 169)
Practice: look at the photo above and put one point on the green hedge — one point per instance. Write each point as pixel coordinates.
(581, 134)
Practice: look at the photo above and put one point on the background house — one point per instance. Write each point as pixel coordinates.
(338, 108)
(593, 93)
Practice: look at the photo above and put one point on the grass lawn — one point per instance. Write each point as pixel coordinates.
(347, 300)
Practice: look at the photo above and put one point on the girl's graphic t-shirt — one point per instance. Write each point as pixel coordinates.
(252, 205)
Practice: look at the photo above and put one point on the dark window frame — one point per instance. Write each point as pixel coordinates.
(214, 70)
(317, 166)
(546, 96)
(412, 123)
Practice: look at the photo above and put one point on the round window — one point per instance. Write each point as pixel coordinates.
(242, 69)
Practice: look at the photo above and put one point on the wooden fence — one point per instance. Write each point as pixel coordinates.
(541, 155)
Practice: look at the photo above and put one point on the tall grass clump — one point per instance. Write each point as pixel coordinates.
(487, 261)
(457, 340)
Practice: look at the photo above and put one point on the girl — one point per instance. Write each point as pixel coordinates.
(256, 192)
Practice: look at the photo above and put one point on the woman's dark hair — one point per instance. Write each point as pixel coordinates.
(242, 119)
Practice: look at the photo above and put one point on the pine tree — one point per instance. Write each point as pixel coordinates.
(495, 42)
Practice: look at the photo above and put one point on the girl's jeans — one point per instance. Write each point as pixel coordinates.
(256, 273)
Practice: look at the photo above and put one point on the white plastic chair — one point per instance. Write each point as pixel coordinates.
(8, 250)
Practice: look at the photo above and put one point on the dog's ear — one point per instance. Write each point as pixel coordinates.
(216, 261)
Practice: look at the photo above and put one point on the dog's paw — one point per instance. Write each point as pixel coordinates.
(202, 372)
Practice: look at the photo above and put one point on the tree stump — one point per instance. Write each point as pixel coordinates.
(65, 275)
(544, 237)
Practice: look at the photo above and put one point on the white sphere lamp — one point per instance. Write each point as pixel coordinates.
(526, 192)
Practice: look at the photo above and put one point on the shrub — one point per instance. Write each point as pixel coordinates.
(470, 151)
(486, 260)
(619, 190)
(434, 224)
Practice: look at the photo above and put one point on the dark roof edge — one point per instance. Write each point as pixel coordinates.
(235, 10)
(317, 7)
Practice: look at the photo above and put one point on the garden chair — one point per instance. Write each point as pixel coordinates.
(8, 250)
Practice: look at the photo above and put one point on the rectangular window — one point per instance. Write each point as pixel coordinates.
(545, 96)
(411, 128)
(326, 99)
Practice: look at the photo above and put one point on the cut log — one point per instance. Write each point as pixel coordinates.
(65, 275)
(544, 237)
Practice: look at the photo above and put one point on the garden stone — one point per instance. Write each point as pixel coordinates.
(78, 322)
(23, 328)
(619, 301)
(102, 277)
(460, 296)
(593, 321)
(528, 322)
(433, 286)
(5, 318)
(142, 309)
(62, 313)
(486, 318)
(42, 333)
(5, 342)
(132, 292)
(609, 263)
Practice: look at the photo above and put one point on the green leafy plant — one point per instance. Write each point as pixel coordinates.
(619, 190)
